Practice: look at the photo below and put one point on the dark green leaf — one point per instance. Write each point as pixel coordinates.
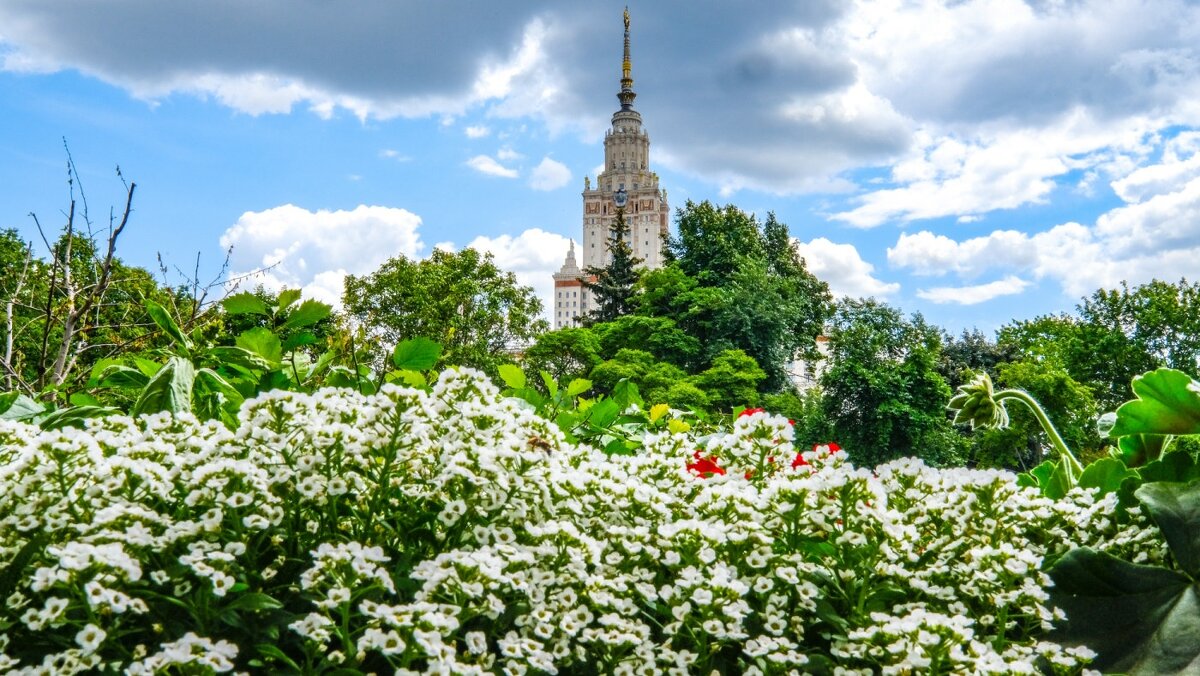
(118, 375)
(238, 356)
(286, 298)
(1175, 507)
(169, 390)
(1107, 474)
(306, 314)
(512, 375)
(1168, 403)
(12, 574)
(1173, 466)
(75, 416)
(215, 399)
(263, 342)
(245, 303)
(604, 413)
(299, 340)
(253, 601)
(165, 322)
(268, 650)
(1140, 619)
(1138, 449)
(417, 354)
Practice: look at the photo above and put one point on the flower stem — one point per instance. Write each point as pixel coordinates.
(1074, 469)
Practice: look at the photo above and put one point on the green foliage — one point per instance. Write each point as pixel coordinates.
(733, 284)
(460, 300)
(882, 393)
(565, 354)
(731, 382)
(1140, 619)
(613, 285)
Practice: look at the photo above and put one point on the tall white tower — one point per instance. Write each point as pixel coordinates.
(625, 183)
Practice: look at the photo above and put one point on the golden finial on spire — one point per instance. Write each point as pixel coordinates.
(626, 17)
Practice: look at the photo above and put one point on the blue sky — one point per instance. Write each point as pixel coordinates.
(975, 161)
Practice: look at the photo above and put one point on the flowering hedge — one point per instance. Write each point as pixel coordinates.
(455, 531)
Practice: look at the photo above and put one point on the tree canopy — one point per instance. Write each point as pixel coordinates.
(475, 310)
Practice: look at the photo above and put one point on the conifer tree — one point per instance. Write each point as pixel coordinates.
(612, 290)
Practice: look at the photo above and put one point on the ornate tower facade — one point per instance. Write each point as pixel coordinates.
(626, 184)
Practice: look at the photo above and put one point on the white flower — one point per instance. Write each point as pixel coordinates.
(90, 638)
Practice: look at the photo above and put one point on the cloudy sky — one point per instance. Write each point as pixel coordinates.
(976, 160)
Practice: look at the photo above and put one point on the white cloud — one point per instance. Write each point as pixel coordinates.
(533, 256)
(392, 154)
(964, 177)
(1155, 237)
(477, 131)
(841, 266)
(486, 165)
(549, 175)
(1180, 164)
(297, 248)
(973, 295)
(506, 154)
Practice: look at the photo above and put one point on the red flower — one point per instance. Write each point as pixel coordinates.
(833, 448)
(799, 461)
(706, 467)
(751, 411)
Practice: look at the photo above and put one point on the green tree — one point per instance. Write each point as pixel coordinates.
(1116, 335)
(971, 353)
(475, 310)
(657, 335)
(731, 381)
(882, 393)
(565, 354)
(613, 288)
(738, 285)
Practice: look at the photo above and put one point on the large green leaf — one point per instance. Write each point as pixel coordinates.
(1107, 474)
(244, 303)
(75, 416)
(512, 375)
(1168, 403)
(263, 342)
(238, 356)
(16, 406)
(417, 354)
(169, 390)
(287, 297)
(306, 314)
(213, 398)
(119, 375)
(1175, 507)
(1140, 619)
(163, 318)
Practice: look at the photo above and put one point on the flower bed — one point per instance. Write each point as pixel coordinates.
(452, 530)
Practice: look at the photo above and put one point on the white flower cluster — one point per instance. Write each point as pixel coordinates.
(453, 531)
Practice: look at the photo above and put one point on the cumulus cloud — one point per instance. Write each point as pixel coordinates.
(1155, 236)
(487, 165)
(533, 256)
(292, 247)
(841, 266)
(973, 295)
(784, 97)
(477, 131)
(549, 175)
